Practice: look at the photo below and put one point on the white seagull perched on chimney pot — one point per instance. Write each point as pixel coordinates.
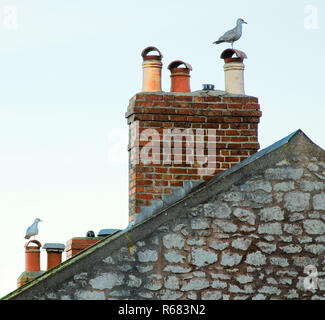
(233, 34)
(32, 230)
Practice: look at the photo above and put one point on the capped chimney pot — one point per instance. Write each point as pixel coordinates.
(54, 254)
(234, 70)
(152, 66)
(180, 77)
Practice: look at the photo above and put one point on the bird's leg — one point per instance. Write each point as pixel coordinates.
(232, 45)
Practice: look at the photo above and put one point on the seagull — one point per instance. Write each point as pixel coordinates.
(233, 34)
(33, 230)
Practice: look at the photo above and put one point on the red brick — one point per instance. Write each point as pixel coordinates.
(235, 146)
(139, 103)
(239, 126)
(177, 170)
(159, 103)
(251, 119)
(183, 98)
(161, 183)
(253, 99)
(225, 152)
(178, 105)
(232, 132)
(238, 139)
(144, 182)
(246, 113)
(177, 118)
(219, 106)
(251, 146)
(232, 159)
(248, 132)
(169, 97)
(167, 190)
(235, 106)
(251, 106)
(200, 106)
(176, 183)
(143, 196)
(232, 119)
(238, 152)
(150, 97)
(161, 170)
(236, 99)
(195, 119)
(215, 119)
(186, 111)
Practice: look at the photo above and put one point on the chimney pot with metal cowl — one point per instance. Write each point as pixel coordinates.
(151, 66)
(180, 77)
(32, 256)
(32, 263)
(234, 71)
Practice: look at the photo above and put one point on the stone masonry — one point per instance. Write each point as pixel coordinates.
(247, 235)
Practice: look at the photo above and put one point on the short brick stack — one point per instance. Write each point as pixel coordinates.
(235, 121)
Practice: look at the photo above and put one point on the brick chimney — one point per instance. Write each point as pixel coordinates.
(178, 140)
(78, 244)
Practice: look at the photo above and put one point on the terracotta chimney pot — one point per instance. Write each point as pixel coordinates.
(234, 71)
(32, 256)
(54, 254)
(180, 77)
(151, 70)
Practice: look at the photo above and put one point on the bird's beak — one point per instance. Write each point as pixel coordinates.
(245, 22)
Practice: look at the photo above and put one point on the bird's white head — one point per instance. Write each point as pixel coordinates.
(241, 21)
(38, 220)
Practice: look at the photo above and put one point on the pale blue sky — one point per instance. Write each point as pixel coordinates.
(69, 70)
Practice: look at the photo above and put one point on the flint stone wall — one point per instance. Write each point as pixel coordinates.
(250, 242)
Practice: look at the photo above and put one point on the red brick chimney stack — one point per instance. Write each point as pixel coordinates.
(179, 139)
(78, 244)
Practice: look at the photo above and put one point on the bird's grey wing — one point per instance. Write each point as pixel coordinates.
(228, 36)
(27, 236)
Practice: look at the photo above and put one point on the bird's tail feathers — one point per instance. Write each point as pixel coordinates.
(219, 41)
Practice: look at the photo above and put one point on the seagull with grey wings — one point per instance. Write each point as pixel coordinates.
(32, 230)
(233, 34)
